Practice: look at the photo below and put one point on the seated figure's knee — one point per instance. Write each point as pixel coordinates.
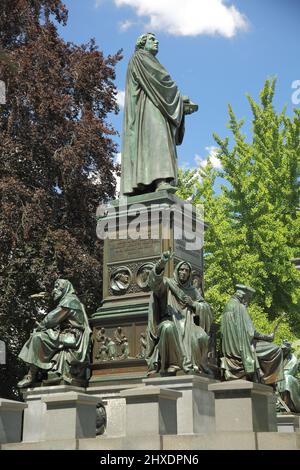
(167, 327)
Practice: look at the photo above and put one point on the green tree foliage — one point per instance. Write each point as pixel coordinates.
(57, 163)
(253, 221)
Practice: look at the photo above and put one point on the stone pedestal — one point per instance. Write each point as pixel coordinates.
(288, 422)
(150, 411)
(119, 325)
(34, 426)
(70, 415)
(244, 406)
(196, 406)
(11, 413)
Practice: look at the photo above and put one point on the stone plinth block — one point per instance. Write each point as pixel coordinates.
(288, 422)
(115, 406)
(196, 406)
(150, 411)
(244, 406)
(11, 420)
(278, 441)
(70, 416)
(63, 444)
(34, 425)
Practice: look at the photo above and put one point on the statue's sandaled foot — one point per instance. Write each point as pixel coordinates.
(171, 370)
(165, 186)
(29, 378)
(26, 381)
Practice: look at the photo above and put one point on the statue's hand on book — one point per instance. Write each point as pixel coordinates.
(188, 106)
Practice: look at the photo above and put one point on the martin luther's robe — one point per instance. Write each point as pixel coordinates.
(153, 125)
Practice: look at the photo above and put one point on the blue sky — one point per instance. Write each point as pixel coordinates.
(217, 51)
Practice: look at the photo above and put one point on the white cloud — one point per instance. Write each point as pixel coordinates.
(189, 17)
(212, 156)
(121, 98)
(125, 25)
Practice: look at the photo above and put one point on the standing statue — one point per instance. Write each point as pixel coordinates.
(247, 354)
(179, 322)
(153, 122)
(289, 388)
(61, 342)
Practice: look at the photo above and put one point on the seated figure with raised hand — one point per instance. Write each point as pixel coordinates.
(60, 345)
(178, 323)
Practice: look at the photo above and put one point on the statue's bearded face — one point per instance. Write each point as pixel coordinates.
(183, 273)
(57, 291)
(151, 44)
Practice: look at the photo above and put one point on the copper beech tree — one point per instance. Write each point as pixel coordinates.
(57, 163)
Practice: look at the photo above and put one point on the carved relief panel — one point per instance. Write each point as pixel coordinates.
(129, 279)
(119, 343)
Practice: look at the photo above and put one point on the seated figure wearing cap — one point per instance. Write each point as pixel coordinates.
(247, 354)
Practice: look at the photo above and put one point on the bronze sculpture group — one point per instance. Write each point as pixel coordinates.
(179, 319)
(177, 338)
